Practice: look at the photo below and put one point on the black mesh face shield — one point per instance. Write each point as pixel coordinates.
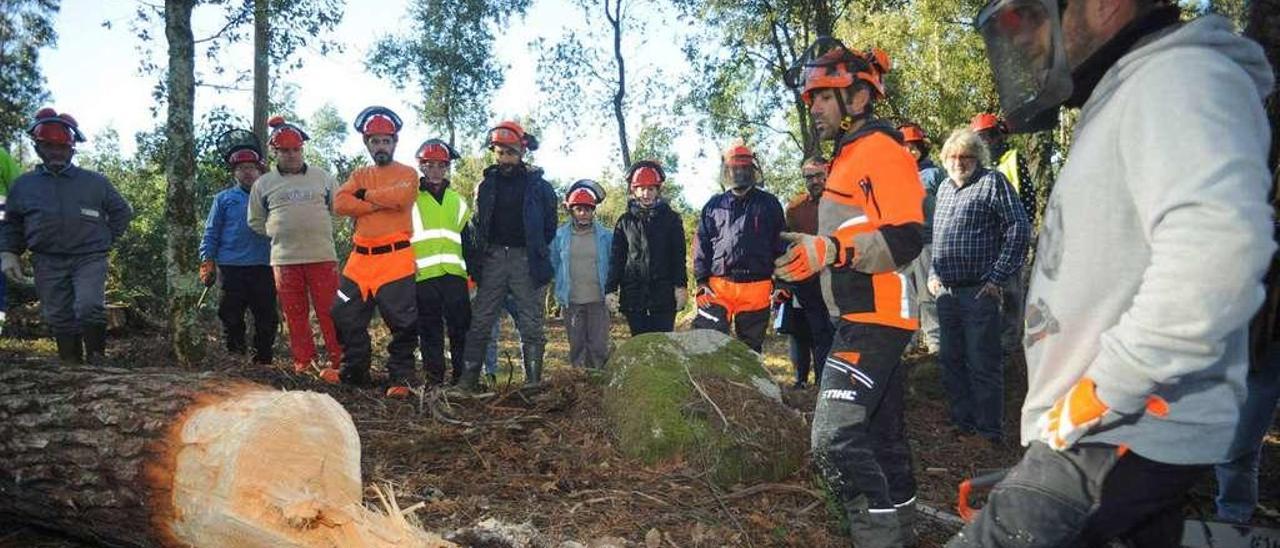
(1028, 60)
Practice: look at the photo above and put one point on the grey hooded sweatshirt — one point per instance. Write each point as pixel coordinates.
(1155, 241)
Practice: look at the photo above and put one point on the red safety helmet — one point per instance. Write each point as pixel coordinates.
(912, 133)
(510, 134)
(985, 120)
(285, 134)
(244, 155)
(840, 67)
(739, 156)
(580, 196)
(646, 173)
(377, 120)
(435, 150)
(51, 127)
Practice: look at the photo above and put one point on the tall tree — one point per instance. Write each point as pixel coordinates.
(261, 66)
(180, 170)
(26, 27)
(585, 74)
(449, 58)
(742, 64)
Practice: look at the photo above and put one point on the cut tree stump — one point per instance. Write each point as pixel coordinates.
(174, 458)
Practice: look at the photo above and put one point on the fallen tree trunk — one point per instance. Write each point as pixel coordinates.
(173, 458)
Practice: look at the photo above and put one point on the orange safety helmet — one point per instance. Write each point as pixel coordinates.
(510, 134)
(580, 196)
(435, 150)
(985, 120)
(285, 134)
(912, 133)
(646, 173)
(51, 127)
(839, 68)
(378, 120)
(739, 156)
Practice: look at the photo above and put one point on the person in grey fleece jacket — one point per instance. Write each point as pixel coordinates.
(1148, 269)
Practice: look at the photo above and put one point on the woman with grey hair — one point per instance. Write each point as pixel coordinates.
(978, 229)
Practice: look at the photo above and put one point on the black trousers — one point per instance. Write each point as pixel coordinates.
(351, 314)
(650, 322)
(251, 288)
(443, 304)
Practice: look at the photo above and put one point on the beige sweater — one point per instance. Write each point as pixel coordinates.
(296, 212)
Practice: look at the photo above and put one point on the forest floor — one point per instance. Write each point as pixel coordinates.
(549, 459)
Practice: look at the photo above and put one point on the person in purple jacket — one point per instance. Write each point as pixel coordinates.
(242, 258)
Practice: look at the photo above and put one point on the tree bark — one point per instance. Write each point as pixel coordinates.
(261, 65)
(180, 172)
(173, 458)
(620, 92)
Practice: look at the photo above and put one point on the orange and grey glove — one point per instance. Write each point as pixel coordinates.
(781, 295)
(704, 296)
(807, 256)
(208, 272)
(1079, 411)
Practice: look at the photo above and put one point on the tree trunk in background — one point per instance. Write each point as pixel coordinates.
(174, 458)
(180, 252)
(261, 64)
(1264, 27)
(613, 13)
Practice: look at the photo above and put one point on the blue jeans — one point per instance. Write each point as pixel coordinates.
(1238, 478)
(969, 354)
(491, 351)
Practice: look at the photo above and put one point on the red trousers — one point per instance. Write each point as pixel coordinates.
(293, 285)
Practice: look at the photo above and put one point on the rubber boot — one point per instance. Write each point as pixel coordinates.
(95, 344)
(70, 349)
(469, 382)
(532, 364)
(874, 529)
(907, 518)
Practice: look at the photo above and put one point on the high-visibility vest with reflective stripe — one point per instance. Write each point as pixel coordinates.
(1008, 166)
(437, 235)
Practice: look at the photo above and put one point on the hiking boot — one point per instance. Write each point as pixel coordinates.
(70, 349)
(330, 375)
(470, 380)
(399, 392)
(95, 343)
(302, 367)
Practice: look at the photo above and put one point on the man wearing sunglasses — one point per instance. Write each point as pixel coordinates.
(870, 225)
(1148, 266)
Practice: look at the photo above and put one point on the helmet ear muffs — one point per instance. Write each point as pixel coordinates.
(530, 142)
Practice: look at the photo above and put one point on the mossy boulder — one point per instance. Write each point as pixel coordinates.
(660, 403)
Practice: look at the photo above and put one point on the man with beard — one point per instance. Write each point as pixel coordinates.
(68, 217)
(733, 252)
(807, 321)
(869, 232)
(931, 176)
(441, 246)
(647, 278)
(242, 258)
(980, 236)
(293, 205)
(514, 224)
(380, 270)
(1148, 268)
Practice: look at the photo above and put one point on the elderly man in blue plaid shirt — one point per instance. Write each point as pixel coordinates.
(980, 234)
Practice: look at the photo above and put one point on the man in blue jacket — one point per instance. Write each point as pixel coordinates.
(738, 238)
(513, 226)
(68, 217)
(243, 258)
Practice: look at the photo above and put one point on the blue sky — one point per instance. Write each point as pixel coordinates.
(93, 74)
